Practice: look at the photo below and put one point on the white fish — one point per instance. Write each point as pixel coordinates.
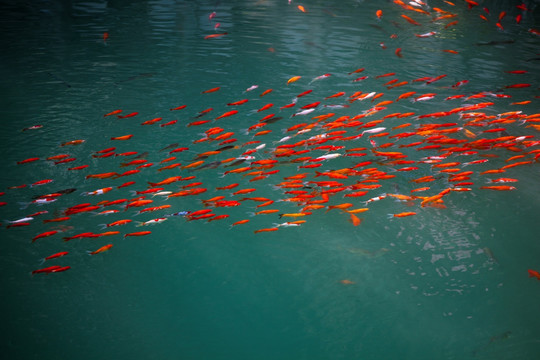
(25, 219)
(304, 112)
(428, 34)
(283, 139)
(376, 198)
(162, 193)
(370, 95)
(152, 222)
(329, 156)
(286, 224)
(374, 130)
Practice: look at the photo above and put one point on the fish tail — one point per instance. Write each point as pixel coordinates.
(102, 226)
(251, 214)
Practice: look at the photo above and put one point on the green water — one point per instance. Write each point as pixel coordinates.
(444, 284)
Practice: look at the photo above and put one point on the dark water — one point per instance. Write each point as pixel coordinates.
(446, 283)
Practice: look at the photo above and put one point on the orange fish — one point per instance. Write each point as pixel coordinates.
(410, 20)
(102, 175)
(73, 142)
(124, 137)
(240, 222)
(117, 223)
(293, 79)
(402, 214)
(355, 220)
(498, 187)
(193, 164)
(228, 113)
(101, 249)
(266, 230)
(213, 36)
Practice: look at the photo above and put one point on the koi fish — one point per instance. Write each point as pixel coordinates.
(152, 222)
(498, 187)
(138, 233)
(101, 249)
(44, 234)
(54, 256)
(402, 214)
(214, 36)
(73, 142)
(122, 138)
(51, 269)
(266, 230)
(227, 114)
(128, 115)
(240, 222)
(534, 273)
(293, 79)
(210, 90)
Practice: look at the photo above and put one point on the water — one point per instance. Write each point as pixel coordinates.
(446, 283)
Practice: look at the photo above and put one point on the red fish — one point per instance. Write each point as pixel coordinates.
(228, 113)
(51, 269)
(28, 160)
(54, 256)
(213, 36)
(138, 233)
(113, 113)
(237, 103)
(211, 90)
(534, 273)
(128, 115)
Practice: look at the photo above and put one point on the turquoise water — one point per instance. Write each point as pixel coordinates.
(446, 283)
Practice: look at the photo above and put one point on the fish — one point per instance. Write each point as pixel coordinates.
(293, 79)
(101, 249)
(51, 269)
(122, 138)
(152, 222)
(534, 273)
(138, 233)
(266, 230)
(227, 114)
(54, 256)
(214, 36)
(44, 234)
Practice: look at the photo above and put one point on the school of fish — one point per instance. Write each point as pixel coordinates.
(335, 151)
